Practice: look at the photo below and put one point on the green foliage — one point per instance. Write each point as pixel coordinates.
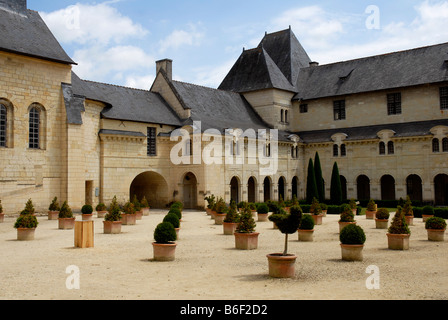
(273, 206)
(281, 202)
(347, 214)
(29, 208)
(311, 185)
(211, 200)
(316, 209)
(252, 206)
(179, 205)
(307, 222)
(241, 204)
(324, 207)
(336, 186)
(232, 214)
(246, 223)
(1, 208)
(173, 219)
(319, 178)
(114, 205)
(399, 225)
(353, 204)
(263, 208)
(136, 203)
(407, 209)
(129, 208)
(220, 206)
(288, 223)
(101, 207)
(352, 235)
(383, 214)
(66, 211)
(177, 212)
(295, 210)
(428, 211)
(435, 223)
(144, 203)
(371, 205)
(295, 201)
(87, 209)
(114, 213)
(165, 233)
(27, 221)
(54, 206)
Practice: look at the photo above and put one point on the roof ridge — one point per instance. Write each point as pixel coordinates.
(115, 85)
(204, 87)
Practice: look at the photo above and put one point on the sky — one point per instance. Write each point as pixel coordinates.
(119, 41)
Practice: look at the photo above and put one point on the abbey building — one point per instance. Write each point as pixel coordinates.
(383, 119)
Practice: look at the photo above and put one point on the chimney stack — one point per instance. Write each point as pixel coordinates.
(314, 64)
(165, 65)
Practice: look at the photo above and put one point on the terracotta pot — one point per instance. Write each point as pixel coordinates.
(66, 223)
(212, 214)
(263, 217)
(370, 215)
(164, 252)
(324, 213)
(24, 234)
(139, 215)
(246, 241)
(426, 217)
(317, 219)
(53, 215)
(87, 217)
(281, 266)
(129, 219)
(2, 217)
(146, 212)
(436, 235)
(410, 220)
(352, 252)
(112, 227)
(101, 214)
(306, 235)
(342, 225)
(219, 218)
(177, 233)
(229, 228)
(208, 211)
(382, 224)
(398, 241)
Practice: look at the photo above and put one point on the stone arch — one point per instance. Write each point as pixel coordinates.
(235, 192)
(363, 187)
(282, 188)
(414, 187)
(267, 189)
(441, 190)
(295, 187)
(252, 190)
(153, 186)
(388, 188)
(190, 191)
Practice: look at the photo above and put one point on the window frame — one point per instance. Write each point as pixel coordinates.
(151, 150)
(3, 126)
(394, 104)
(435, 145)
(443, 98)
(34, 129)
(304, 108)
(339, 110)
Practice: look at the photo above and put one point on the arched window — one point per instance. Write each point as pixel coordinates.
(445, 145)
(343, 150)
(34, 128)
(382, 148)
(293, 152)
(335, 150)
(297, 152)
(391, 148)
(282, 116)
(286, 116)
(3, 125)
(267, 150)
(435, 145)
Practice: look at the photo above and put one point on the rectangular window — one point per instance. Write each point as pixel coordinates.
(34, 129)
(3, 120)
(339, 110)
(152, 142)
(444, 98)
(303, 108)
(394, 104)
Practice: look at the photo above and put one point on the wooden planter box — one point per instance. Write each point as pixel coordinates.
(306, 235)
(24, 234)
(112, 227)
(436, 235)
(84, 234)
(398, 241)
(164, 252)
(66, 223)
(352, 252)
(53, 215)
(282, 266)
(246, 241)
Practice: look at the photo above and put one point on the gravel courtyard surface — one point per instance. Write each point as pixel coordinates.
(207, 267)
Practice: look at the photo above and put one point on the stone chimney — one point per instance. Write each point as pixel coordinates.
(314, 64)
(16, 6)
(165, 65)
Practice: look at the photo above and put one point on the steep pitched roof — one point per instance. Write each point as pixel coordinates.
(127, 104)
(24, 32)
(389, 71)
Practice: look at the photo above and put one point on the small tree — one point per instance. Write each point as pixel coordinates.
(136, 203)
(66, 211)
(144, 203)
(247, 223)
(29, 208)
(54, 206)
(87, 209)
(407, 209)
(113, 214)
(371, 206)
(399, 225)
(311, 186)
(288, 223)
(347, 214)
(232, 214)
(114, 205)
(129, 208)
(211, 200)
(319, 178)
(336, 186)
(316, 208)
(165, 233)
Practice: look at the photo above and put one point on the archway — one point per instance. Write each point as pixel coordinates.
(152, 186)
(190, 191)
(252, 190)
(295, 187)
(363, 183)
(414, 187)
(235, 190)
(388, 188)
(267, 189)
(441, 190)
(281, 188)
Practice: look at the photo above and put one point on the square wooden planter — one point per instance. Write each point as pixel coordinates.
(84, 234)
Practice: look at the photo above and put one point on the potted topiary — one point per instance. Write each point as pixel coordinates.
(275, 209)
(324, 208)
(245, 236)
(263, 212)
(164, 246)
(230, 223)
(176, 211)
(26, 223)
(399, 233)
(352, 239)
(354, 206)
(211, 200)
(316, 212)
(382, 218)
(137, 208)
(428, 212)
(306, 229)
(53, 209)
(220, 211)
(101, 210)
(174, 220)
(282, 265)
(145, 206)
(371, 210)
(408, 212)
(87, 212)
(2, 215)
(112, 220)
(66, 218)
(347, 217)
(253, 208)
(436, 228)
(129, 217)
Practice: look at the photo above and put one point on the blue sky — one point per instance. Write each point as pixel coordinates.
(118, 41)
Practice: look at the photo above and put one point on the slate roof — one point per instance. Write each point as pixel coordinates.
(127, 104)
(389, 71)
(24, 32)
(410, 129)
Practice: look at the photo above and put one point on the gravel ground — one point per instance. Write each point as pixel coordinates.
(207, 267)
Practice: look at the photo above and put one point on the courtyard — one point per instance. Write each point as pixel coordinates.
(207, 267)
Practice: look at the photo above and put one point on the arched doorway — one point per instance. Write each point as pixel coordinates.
(414, 187)
(235, 190)
(281, 188)
(190, 191)
(388, 188)
(344, 187)
(441, 190)
(252, 190)
(267, 189)
(363, 183)
(152, 186)
(295, 187)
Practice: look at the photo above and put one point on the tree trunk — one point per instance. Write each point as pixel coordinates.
(285, 253)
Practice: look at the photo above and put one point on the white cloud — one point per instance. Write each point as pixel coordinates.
(139, 82)
(179, 38)
(212, 76)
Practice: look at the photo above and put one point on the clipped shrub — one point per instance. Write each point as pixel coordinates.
(263, 208)
(383, 214)
(347, 214)
(428, 211)
(211, 200)
(220, 206)
(165, 233)
(173, 219)
(371, 205)
(177, 212)
(399, 225)
(232, 214)
(273, 206)
(246, 222)
(316, 209)
(144, 203)
(54, 206)
(129, 208)
(136, 203)
(101, 207)
(287, 224)
(113, 214)
(114, 205)
(179, 205)
(324, 207)
(27, 221)
(296, 209)
(435, 223)
(87, 209)
(66, 211)
(352, 235)
(252, 206)
(407, 209)
(29, 208)
(307, 223)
